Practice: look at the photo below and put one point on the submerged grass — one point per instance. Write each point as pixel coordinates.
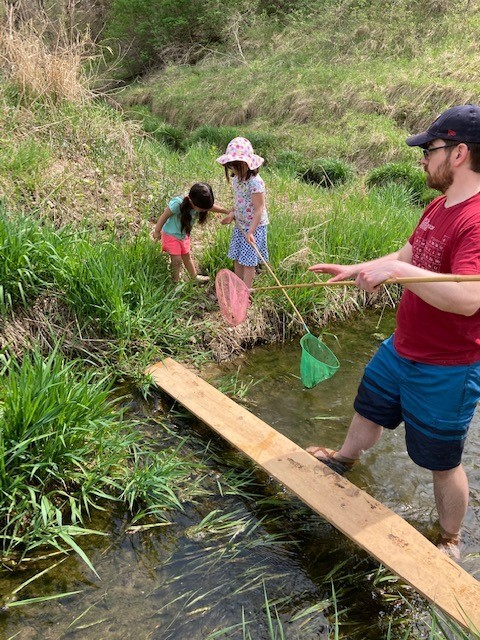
(270, 585)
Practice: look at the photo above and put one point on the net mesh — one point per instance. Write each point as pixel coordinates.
(233, 296)
(317, 363)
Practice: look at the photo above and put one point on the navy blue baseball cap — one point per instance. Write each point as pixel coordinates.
(458, 123)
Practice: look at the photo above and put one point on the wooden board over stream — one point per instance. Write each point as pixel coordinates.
(375, 528)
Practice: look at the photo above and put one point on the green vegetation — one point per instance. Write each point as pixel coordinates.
(402, 173)
(344, 80)
(65, 450)
(325, 91)
(327, 172)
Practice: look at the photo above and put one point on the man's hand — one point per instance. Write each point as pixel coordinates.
(338, 271)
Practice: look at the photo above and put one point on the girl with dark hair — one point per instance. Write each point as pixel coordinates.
(175, 224)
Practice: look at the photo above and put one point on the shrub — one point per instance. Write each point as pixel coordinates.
(172, 137)
(292, 161)
(158, 30)
(327, 172)
(401, 173)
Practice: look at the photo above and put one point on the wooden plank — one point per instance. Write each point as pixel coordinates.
(375, 528)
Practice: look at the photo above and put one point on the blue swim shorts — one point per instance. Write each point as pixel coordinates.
(435, 402)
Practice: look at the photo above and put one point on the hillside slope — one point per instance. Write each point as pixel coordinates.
(350, 80)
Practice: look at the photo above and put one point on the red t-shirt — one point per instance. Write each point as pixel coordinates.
(446, 240)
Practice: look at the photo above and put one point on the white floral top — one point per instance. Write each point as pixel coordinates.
(243, 205)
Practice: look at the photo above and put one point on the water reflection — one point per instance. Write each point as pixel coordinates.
(246, 538)
(321, 416)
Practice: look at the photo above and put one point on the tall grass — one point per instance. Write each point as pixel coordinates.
(118, 291)
(45, 65)
(65, 449)
(28, 252)
(124, 291)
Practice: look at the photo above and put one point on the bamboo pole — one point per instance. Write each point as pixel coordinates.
(410, 280)
(274, 276)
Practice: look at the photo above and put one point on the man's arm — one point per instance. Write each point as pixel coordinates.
(348, 271)
(462, 298)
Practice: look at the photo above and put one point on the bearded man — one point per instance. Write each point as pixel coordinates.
(427, 374)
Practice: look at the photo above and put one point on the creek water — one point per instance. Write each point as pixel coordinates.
(269, 562)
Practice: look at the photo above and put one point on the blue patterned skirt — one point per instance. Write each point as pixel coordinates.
(243, 252)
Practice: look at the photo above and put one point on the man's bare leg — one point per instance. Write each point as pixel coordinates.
(361, 436)
(451, 498)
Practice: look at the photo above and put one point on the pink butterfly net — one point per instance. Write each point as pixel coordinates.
(317, 363)
(233, 296)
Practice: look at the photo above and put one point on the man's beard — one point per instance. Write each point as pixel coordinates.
(442, 178)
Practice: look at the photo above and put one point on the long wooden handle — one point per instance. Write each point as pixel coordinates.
(272, 273)
(343, 283)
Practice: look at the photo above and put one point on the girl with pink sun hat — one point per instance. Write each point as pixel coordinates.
(250, 214)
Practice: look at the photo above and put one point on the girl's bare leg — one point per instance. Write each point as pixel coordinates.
(248, 276)
(189, 266)
(176, 262)
(238, 269)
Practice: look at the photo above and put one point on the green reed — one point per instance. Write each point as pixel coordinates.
(123, 290)
(27, 250)
(64, 450)
(118, 291)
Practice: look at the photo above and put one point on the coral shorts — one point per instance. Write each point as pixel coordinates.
(174, 246)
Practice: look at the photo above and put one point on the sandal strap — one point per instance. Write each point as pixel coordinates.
(340, 465)
(449, 538)
(348, 462)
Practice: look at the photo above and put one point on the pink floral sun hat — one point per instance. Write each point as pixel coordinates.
(240, 149)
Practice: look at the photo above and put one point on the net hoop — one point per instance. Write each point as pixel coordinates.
(233, 297)
(317, 363)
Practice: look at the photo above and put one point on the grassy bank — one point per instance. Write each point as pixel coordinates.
(66, 450)
(346, 80)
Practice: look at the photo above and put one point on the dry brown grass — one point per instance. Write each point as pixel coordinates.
(44, 62)
(224, 342)
(48, 323)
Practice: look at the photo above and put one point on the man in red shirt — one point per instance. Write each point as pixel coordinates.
(428, 373)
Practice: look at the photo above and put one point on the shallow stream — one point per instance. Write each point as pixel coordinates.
(263, 561)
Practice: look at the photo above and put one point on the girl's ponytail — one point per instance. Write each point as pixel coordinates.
(186, 215)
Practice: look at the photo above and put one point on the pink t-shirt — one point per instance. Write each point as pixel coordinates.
(446, 240)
